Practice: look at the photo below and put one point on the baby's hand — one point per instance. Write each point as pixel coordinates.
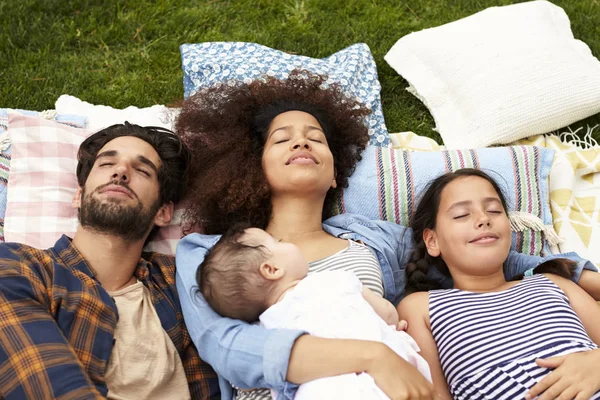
(402, 326)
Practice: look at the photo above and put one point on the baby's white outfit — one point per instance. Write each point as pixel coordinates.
(331, 305)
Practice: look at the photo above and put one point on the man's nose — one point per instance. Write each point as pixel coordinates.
(121, 172)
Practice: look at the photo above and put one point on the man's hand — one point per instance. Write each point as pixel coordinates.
(575, 376)
(397, 378)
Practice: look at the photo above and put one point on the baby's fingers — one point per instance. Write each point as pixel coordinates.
(402, 325)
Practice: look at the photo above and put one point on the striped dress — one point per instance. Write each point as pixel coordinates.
(488, 342)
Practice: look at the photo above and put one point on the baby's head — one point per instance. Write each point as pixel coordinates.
(247, 271)
(461, 224)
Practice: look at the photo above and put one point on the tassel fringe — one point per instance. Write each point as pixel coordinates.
(571, 137)
(521, 221)
(48, 114)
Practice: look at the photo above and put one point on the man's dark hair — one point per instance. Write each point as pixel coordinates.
(174, 155)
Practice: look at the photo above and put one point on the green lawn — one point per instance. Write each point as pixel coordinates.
(124, 53)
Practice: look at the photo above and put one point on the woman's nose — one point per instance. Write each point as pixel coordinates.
(301, 143)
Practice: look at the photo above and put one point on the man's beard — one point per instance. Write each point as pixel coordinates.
(111, 217)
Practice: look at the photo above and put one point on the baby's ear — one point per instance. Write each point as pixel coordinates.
(271, 271)
(430, 239)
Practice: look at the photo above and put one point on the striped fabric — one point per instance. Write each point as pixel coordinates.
(387, 183)
(356, 258)
(488, 342)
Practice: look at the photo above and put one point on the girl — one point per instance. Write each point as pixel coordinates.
(482, 338)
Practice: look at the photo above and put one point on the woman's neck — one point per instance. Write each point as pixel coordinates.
(293, 218)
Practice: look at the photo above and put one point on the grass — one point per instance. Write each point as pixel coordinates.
(126, 52)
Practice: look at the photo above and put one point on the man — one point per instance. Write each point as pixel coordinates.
(94, 316)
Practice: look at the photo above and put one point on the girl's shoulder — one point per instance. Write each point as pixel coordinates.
(417, 302)
(563, 284)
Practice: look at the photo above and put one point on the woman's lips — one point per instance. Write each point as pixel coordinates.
(302, 157)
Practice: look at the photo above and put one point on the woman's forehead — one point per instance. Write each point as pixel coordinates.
(294, 117)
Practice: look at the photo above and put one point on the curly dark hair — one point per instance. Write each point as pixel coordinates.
(226, 126)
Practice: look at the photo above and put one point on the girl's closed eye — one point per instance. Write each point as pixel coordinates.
(460, 216)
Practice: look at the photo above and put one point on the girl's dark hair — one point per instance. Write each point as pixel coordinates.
(425, 218)
(225, 127)
(557, 266)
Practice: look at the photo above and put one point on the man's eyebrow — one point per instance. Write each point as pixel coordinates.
(107, 153)
(140, 158)
(147, 161)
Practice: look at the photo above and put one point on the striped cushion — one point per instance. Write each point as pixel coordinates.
(387, 183)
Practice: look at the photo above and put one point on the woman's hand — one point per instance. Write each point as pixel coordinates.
(397, 378)
(575, 376)
(314, 357)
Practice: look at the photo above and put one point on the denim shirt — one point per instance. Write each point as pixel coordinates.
(250, 356)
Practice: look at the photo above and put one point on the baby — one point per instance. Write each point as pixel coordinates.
(251, 276)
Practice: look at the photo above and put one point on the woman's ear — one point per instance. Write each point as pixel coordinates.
(271, 271)
(430, 240)
(334, 182)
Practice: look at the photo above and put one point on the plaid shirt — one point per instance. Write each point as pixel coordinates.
(57, 324)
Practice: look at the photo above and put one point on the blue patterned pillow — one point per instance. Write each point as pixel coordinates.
(353, 68)
(76, 121)
(387, 184)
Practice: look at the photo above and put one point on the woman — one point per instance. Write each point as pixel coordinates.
(274, 154)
